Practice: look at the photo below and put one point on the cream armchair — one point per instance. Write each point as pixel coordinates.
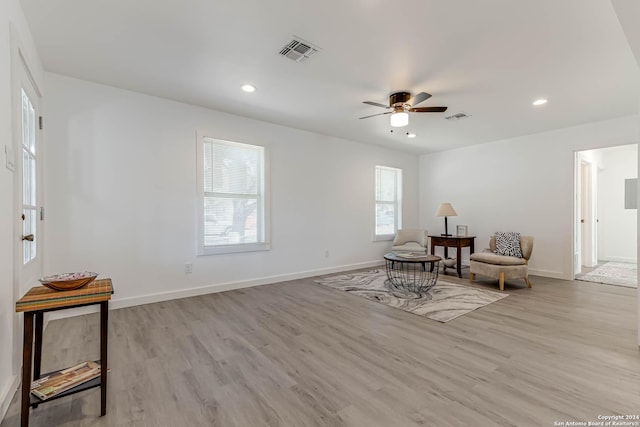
(501, 267)
(411, 240)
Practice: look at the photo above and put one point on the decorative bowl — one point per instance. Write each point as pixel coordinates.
(68, 281)
(449, 262)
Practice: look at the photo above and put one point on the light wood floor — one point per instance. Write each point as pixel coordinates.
(300, 354)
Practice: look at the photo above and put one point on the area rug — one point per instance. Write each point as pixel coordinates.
(444, 302)
(613, 273)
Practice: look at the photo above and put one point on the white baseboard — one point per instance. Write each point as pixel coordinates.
(73, 312)
(550, 274)
(116, 303)
(7, 393)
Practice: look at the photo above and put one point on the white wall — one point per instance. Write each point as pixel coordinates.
(7, 374)
(121, 194)
(14, 34)
(617, 228)
(521, 184)
(628, 12)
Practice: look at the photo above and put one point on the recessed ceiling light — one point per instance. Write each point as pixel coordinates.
(540, 101)
(248, 88)
(411, 135)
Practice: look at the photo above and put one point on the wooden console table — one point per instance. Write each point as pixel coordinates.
(457, 242)
(34, 304)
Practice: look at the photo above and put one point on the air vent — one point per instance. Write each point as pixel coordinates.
(458, 116)
(298, 50)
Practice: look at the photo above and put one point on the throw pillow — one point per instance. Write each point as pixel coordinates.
(508, 244)
(407, 235)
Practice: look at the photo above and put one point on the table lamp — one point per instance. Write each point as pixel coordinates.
(445, 210)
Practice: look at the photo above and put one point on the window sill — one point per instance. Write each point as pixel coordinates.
(384, 238)
(233, 249)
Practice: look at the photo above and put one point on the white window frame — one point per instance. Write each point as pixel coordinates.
(264, 229)
(397, 203)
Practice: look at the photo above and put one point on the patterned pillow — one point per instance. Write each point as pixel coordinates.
(508, 244)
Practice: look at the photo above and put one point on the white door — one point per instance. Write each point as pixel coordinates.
(28, 183)
(585, 209)
(577, 215)
(589, 215)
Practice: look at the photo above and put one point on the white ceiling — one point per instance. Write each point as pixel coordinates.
(487, 58)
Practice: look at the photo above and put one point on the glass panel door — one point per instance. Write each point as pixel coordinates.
(29, 181)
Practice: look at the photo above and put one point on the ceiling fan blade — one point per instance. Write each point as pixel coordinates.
(375, 104)
(428, 110)
(420, 97)
(379, 114)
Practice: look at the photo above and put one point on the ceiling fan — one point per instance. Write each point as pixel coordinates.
(401, 103)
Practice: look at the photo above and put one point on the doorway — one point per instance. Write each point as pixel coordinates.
(605, 219)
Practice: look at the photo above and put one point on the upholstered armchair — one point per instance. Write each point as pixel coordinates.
(411, 240)
(502, 267)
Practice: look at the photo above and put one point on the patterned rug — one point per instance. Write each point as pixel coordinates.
(613, 273)
(444, 302)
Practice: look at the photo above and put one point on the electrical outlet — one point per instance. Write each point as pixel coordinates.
(188, 268)
(326, 254)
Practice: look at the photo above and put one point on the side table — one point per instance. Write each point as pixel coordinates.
(34, 304)
(457, 242)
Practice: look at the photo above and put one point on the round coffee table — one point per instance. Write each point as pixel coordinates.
(411, 272)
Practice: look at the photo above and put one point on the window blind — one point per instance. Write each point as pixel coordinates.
(233, 193)
(388, 183)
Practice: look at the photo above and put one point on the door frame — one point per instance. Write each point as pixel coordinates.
(585, 236)
(577, 206)
(589, 195)
(22, 71)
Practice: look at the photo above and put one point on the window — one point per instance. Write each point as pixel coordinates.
(29, 209)
(231, 184)
(388, 202)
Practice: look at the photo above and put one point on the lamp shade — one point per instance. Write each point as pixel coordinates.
(445, 209)
(399, 119)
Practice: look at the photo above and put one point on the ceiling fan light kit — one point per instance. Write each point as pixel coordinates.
(399, 120)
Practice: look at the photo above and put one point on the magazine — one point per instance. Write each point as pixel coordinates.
(63, 380)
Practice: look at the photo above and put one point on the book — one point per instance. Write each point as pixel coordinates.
(58, 382)
(410, 255)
